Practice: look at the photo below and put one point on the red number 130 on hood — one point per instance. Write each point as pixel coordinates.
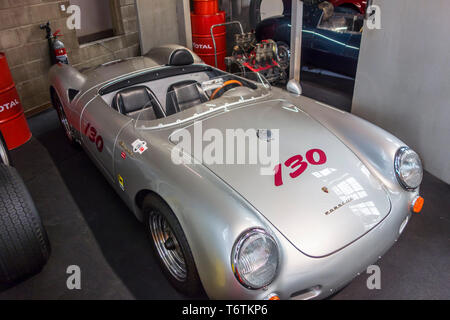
(298, 164)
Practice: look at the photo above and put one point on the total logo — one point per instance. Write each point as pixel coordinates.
(201, 46)
(9, 105)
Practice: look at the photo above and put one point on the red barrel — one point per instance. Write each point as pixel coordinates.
(13, 124)
(206, 6)
(205, 15)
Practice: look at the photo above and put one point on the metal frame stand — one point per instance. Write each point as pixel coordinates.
(293, 85)
(214, 40)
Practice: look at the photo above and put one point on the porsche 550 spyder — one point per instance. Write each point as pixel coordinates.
(339, 198)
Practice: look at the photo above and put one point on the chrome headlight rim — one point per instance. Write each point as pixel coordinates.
(236, 250)
(397, 164)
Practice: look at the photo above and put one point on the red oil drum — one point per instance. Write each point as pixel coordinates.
(202, 19)
(13, 124)
(206, 6)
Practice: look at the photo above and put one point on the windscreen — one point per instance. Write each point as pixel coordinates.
(342, 22)
(188, 99)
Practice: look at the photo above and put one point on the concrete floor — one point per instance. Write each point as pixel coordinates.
(89, 226)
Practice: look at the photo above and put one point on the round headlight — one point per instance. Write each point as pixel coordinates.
(408, 168)
(255, 259)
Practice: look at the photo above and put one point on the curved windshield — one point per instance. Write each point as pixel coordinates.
(342, 22)
(194, 96)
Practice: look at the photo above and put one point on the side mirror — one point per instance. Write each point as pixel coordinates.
(294, 87)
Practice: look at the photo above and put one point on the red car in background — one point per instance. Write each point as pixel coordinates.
(358, 5)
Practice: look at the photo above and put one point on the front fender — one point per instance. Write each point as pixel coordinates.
(375, 147)
(211, 214)
(63, 77)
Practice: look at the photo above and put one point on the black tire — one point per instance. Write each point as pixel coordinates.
(62, 117)
(24, 245)
(154, 206)
(5, 157)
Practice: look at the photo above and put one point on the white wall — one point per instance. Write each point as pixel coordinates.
(403, 78)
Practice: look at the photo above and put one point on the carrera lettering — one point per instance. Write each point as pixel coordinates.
(340, 205)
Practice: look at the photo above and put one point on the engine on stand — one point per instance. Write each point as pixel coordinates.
(266, 57)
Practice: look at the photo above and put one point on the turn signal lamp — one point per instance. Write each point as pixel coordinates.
(272, 296)
(417, 204)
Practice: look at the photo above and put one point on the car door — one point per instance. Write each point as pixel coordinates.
(351, 52)
(330, 36)
(100, 126)
(311, 16)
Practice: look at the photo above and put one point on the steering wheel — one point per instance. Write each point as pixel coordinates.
(221, 90)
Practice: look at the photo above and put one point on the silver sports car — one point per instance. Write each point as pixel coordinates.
(333, 196)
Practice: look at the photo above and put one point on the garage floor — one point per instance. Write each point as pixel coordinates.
(89, 226)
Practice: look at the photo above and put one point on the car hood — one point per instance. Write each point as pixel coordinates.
(322, 210)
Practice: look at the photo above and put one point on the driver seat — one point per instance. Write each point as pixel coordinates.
(137, 101)
(184, 95)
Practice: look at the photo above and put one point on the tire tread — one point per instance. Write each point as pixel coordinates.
(24, 245)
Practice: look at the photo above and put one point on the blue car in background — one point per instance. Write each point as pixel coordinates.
(330, 41)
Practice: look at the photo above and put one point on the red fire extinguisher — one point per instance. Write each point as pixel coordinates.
(58, 52)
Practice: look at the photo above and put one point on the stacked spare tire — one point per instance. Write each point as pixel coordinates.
(24, 245)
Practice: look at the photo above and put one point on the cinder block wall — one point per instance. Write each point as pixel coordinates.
(27, 49)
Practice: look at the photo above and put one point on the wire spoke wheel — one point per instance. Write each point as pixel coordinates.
(4, 154)
(284, 54)
(63, 119)
(167, 246)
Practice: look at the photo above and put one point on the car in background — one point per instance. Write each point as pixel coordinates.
(356, 5)
(330, 39)
(261, 9)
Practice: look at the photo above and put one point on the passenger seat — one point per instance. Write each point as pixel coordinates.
(184, 95)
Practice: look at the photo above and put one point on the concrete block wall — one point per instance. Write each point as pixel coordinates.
(27, 49)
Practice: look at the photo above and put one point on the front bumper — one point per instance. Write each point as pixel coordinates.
(304, 277)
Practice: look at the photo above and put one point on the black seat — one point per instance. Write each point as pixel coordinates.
(183, 95)
(137, 100)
